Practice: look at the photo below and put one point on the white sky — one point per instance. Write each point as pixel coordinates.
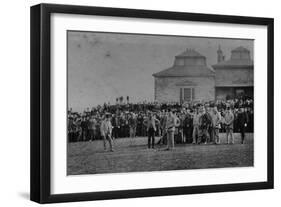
(104, 66)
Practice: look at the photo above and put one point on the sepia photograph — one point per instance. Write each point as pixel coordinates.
(148, 102)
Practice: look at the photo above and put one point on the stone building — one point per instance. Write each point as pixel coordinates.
(234, 77)
(190, 79)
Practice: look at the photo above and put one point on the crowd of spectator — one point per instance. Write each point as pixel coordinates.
(128, 119)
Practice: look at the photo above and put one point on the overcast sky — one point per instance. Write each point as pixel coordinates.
(104, 66)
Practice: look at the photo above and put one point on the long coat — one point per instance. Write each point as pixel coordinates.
(242, 119)
(229, 119)
(205, 121)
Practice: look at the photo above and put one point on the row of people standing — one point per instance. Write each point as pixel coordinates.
(87, 128)
(132, 124)
(168, 123)
(205, 123)
(200, 126)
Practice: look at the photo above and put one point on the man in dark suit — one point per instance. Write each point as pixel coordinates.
(188, 127)
(242, 123)
(205, 122)
(139, 125)
(115, 125)
(84, 128)
(150, 124)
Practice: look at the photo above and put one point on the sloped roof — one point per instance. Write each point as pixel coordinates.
(185, 71)
(190, 53)
(240, 49)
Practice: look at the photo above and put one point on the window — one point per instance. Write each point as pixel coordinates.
(186, 94)
(179, 61)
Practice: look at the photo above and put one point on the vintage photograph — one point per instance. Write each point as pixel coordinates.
(142, 102)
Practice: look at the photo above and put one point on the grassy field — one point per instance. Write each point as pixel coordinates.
(132, 155)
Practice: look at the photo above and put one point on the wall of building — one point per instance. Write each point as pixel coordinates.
(167, 88)
(235, 77)
(233, 92)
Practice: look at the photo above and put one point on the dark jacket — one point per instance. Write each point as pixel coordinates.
(205, 121)
(242, 119)
(188, 121)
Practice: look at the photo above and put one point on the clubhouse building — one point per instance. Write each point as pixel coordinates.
(190, 79)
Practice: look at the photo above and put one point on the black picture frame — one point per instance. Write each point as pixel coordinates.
(41, 98)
